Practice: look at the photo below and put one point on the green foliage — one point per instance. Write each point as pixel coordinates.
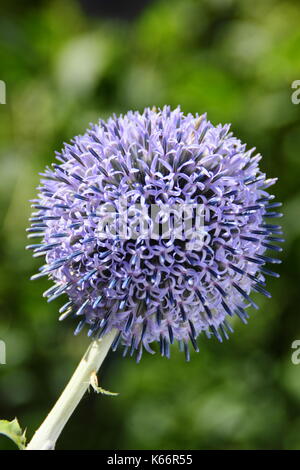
(235, 60)
(12, 430)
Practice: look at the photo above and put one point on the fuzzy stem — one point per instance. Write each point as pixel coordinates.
(47, 434)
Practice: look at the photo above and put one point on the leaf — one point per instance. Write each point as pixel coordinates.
(13, 431)
(97, 389)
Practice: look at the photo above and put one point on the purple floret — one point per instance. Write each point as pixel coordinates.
(164, 288)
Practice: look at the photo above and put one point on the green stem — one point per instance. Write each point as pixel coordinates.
(47, 434)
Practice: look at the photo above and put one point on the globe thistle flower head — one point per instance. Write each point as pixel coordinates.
(96, 213)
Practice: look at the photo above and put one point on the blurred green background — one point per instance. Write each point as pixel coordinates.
(67, 63)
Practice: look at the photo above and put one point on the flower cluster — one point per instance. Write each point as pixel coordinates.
(161, 288)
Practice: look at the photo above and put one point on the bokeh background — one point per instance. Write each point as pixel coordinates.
(67, 63)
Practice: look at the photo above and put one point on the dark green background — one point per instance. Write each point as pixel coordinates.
(65, 67)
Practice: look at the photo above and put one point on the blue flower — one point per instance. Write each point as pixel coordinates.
(155, 286)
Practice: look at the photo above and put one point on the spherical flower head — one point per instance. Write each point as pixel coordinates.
(155, 224)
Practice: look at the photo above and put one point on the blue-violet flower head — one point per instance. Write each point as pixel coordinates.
(161, 286)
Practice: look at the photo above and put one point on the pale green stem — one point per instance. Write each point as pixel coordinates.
(47, 434)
